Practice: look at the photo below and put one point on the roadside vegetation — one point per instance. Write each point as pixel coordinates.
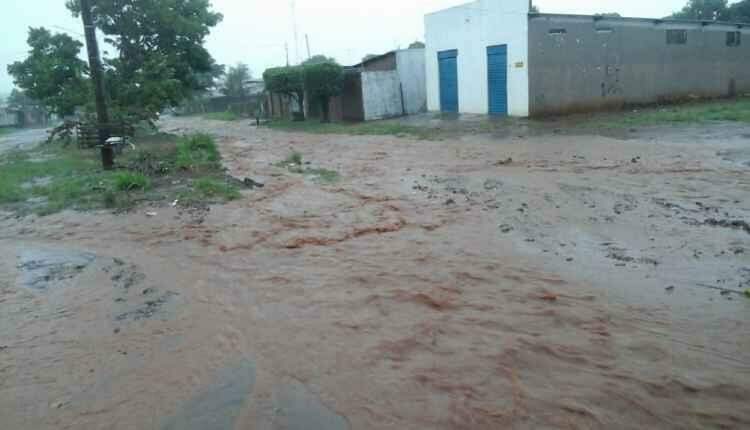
(164, 168)
(222, 116)
(374, 128)
(698, 112)
(295, 164)
(5, 130)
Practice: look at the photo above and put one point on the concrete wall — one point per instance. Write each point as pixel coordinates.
(411, 72)
(470, 29)
(381, 94)
(602, 63)
(381, 64)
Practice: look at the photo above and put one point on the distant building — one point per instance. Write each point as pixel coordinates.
(492, 56)
(385, 86)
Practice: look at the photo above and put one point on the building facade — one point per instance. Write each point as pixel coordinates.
(492, 56)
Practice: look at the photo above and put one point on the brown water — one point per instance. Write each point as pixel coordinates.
(430, 288)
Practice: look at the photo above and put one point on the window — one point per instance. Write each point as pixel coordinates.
(676, 37)
(734, 38)
(605, 30)
(557, 31)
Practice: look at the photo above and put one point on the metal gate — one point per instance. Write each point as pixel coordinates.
(497, 79)
(448, 68)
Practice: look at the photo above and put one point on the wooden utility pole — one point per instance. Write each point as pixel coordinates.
(95, 64)
(307, 41)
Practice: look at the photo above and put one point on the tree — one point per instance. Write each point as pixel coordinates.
(740, 11)
(160, 58)
(234, 82)
(322, 82)
(318, 59)
(288, 80)
(53, 73)
(704, 10)
(368, 57)
(417, 45)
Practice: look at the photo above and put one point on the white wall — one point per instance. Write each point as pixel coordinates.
(411, 71)
(381, 95)
(470, 29)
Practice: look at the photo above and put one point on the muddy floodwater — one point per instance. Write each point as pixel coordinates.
(529, 281)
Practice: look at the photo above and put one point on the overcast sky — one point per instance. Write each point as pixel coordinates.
(254, 31)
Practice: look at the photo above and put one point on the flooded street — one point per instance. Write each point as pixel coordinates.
(534, 281)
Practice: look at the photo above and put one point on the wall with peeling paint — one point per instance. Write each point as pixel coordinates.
(581, 63)
(470, 29)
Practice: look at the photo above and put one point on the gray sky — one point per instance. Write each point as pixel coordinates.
(254, 31)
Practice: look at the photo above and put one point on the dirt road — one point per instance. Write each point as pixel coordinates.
(22, 139)
(545, 282)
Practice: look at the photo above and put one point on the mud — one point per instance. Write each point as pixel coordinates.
(529, 281)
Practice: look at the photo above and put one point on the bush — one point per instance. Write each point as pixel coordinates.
(129, 181)
(197, 151)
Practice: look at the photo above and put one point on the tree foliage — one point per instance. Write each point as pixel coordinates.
(318, 59)
(416, 45)
(235, 81)
(18, 99)
(323, 81)
(53, 73)
(287, 80)
(715, 10)
(160, 58)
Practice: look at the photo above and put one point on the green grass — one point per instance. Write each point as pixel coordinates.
(54, 178)
(6, 130)
(129, 181)
(375, 128)
(222, 116)
(209, 189)
(197, 152)
(294, 163)
(699, 112)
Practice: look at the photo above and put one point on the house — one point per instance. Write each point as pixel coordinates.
(391, 85)
(385, 86)
(493, 56)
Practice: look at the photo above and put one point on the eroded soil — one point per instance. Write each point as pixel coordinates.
(547, 281)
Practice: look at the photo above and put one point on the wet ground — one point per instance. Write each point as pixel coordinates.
(529, 281)
(22, 139)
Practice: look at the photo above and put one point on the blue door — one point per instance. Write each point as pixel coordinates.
(448, 68)
(497, 79)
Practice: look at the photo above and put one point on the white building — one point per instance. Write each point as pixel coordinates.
(493, 56)
(477, 58)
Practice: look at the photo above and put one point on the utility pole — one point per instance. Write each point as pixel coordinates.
(286, 49)
(95, 64)
(296, 37)
(307, 41)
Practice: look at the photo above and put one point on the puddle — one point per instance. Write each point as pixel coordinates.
(219, 406)
(295, 408)
(42, 269)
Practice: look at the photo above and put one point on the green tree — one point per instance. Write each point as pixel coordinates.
(160, 58)
(323, 81)
(704, 10)
(740, 11)
(416, 45)
(318, 59)
(235, 81)
(53, 73)
(287, 80)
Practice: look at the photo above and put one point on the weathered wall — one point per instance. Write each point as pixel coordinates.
(411, 71)
(602, 63)
(470, 29)
(351, 98)
(381, 94)
(381, 64)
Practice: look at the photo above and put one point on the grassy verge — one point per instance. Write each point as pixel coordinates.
(164, 168)
(222, 116)
(376, 128)
(295, 164)
(698, 112)
(5, 130)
